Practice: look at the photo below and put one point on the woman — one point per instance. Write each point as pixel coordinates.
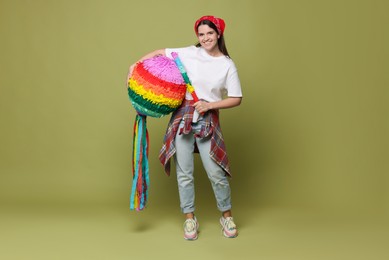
(195, 125)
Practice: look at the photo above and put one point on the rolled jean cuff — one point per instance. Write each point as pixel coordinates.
(223, 209)
(186, 211)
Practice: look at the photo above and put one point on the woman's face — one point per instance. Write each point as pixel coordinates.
(208, 38)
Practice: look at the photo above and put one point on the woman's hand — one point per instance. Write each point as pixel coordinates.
(131, 69)
(129, 74)
(202, 106)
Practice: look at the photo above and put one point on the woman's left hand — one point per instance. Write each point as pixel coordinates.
(202, 106)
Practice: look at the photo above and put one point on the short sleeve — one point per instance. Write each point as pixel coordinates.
(233, 86)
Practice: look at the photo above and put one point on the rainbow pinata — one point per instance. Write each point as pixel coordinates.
(156, 87)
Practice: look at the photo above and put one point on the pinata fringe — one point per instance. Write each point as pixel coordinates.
(140, 164)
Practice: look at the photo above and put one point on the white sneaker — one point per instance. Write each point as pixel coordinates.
(228, 227)
(190, 228)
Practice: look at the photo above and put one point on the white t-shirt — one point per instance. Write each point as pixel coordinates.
(212, 77)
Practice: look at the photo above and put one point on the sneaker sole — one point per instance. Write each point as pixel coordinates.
(227, 236)
(191, 239)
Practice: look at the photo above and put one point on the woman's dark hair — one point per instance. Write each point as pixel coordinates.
(220, 42)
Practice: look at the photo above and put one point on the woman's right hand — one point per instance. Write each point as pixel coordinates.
(129, 74)
(131, 69)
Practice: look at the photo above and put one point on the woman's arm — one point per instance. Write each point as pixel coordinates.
(229, 102)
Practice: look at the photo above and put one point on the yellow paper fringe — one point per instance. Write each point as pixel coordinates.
(152, 97)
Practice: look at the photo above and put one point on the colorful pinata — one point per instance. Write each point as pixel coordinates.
(156, 88)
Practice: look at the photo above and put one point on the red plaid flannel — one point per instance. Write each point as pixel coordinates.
(212, 127)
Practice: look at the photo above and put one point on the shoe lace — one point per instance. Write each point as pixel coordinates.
(229, 223)
(190, 225)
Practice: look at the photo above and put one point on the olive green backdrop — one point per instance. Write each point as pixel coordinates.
(311, 133)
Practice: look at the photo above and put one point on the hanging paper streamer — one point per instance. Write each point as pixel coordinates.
(140, 165)
(156, 88)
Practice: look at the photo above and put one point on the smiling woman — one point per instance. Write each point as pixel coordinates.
(194, 126)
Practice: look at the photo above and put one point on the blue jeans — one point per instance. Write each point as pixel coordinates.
(185, 165)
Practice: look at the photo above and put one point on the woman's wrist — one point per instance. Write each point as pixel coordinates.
(210, 105)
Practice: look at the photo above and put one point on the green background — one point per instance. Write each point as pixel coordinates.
(308, 146)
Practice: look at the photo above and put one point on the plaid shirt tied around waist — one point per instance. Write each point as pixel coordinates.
(211, 128)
